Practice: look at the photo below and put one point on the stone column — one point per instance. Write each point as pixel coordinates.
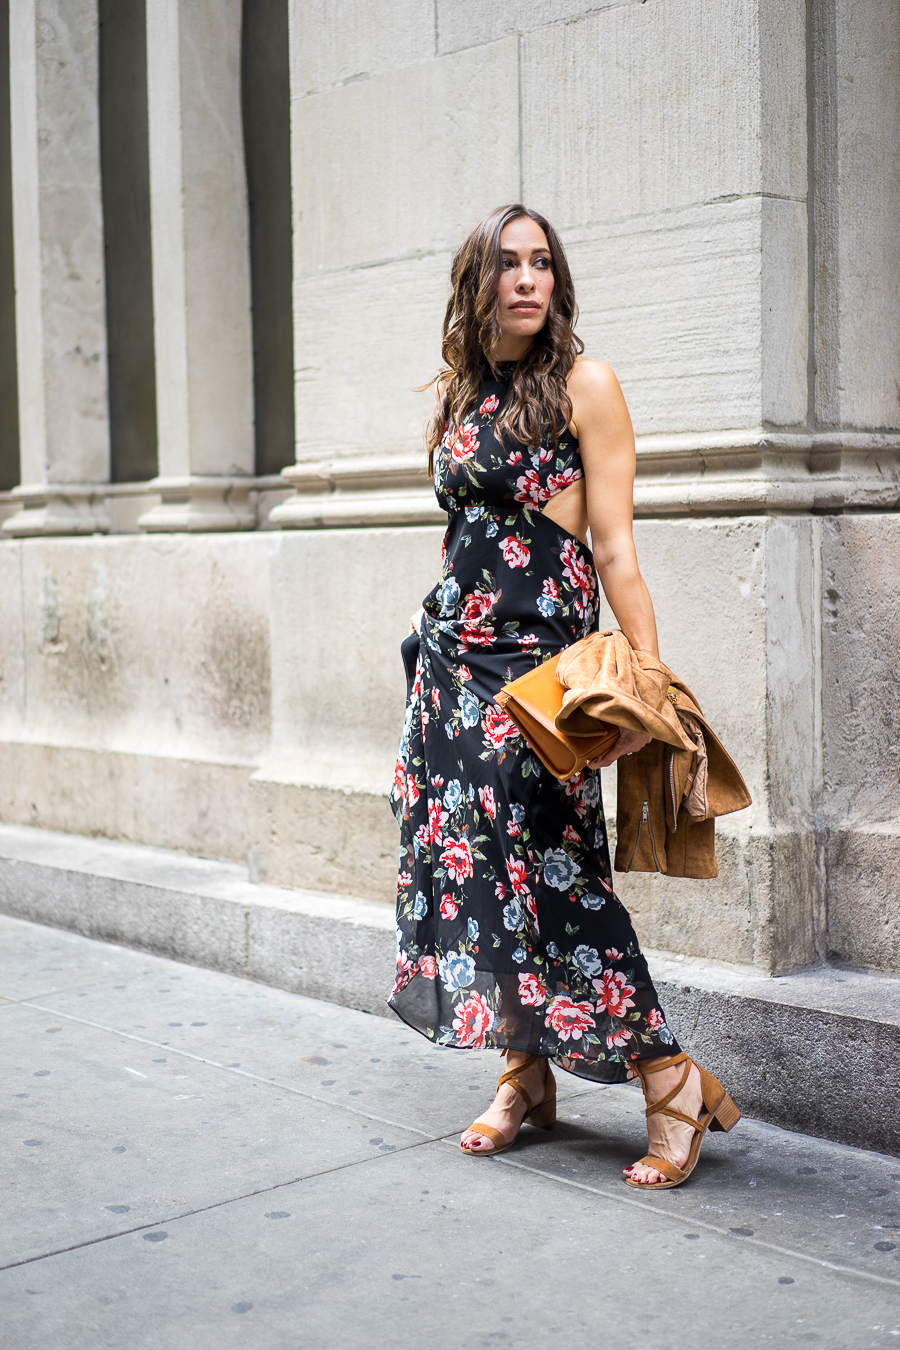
(58, 247)
(201, 280)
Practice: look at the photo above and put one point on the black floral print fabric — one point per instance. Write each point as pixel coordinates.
(509, 933)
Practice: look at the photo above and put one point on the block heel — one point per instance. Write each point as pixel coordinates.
(717, 1112)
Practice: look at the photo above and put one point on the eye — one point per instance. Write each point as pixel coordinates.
(543, 263)
(507, 263)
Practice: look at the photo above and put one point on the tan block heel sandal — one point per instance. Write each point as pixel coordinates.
(718, 1112)
(543, 1114)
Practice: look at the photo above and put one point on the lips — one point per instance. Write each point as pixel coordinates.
(526, 309)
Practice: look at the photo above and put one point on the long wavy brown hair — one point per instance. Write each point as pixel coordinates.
(538, 400)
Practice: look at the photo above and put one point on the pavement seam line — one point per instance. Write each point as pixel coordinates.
(241, 1073)
(260, 1078)
(700, 1223)
(230, 1200)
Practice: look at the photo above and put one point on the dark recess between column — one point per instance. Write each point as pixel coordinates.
(125, 171)
(265, 89)
(9, 392)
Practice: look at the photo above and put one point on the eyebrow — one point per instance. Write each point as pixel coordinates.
(514, 252)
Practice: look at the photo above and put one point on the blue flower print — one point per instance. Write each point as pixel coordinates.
(457, 971)
(449, 597)
(665, 1035)
(559, 869)
(593, 901)
(517, 812)
(519, 955)
(473, 930)
(512, 916)
(474, 513)
(420, 908)
(590, 792)
(452, 794)
(552, 950)
(546, 606)
(468, 707)
(588, 961)
(491, 529)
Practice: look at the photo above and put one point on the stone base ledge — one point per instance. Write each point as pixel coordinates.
(813, 1051)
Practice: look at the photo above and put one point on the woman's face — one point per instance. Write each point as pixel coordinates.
(526, 279)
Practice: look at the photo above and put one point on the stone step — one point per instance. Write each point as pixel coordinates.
(813, 1051)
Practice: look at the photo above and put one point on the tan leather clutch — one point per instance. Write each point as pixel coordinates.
(532, 702)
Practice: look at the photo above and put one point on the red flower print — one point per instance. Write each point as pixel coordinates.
(436, 698)
(613, 993)
(437, 817)
(558, 481)
(500, 890)
(478, 604)
(515, 552)
(497, 727)
(529, 488)
(489, 405)
(412, 790)
(400, 779)
(464, 446)
(576, 571)
(551, 590)
(568, 1018)
(437, 781)
(457, 858)
(465, 673)
(612, 953)
(405, 971)
(515, 457)
(427, 966)
(655, 1020)
(473, 1021)
(513, 829)
(531, 991)
(404, 880)
(571, 835)
(449, 909)
(527, 640)
(620, 1036)
(486, 797)
(517, 874)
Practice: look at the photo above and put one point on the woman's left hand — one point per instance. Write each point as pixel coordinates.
(627, 744)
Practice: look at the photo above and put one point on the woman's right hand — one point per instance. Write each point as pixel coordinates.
(627, 744)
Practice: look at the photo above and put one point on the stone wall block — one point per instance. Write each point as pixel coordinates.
(12, 646)
(58, 232)
(470, 23)
(337, 41)
(355, 394)
(404, 163)
(672, 302)
(784, 305)
(857, 53)
(148, 646)
(640, 108)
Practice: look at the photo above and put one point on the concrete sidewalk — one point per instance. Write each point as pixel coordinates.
(196, 1161)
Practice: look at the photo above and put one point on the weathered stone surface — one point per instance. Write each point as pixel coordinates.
(337, 41)
(639, 108)
(857, 121)
(201, 277)
(355, 392)
(58, 232)
(190, 804)
(674, 304)
(404, 163)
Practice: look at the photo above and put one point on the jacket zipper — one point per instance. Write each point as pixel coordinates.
(645, 816)
(672, 788)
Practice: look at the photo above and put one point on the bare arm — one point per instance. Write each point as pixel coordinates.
(606, 438)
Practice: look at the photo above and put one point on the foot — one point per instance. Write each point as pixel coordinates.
(669, 1139)
(507, 1111)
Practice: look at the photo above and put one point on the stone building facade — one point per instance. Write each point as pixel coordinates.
(227, 229)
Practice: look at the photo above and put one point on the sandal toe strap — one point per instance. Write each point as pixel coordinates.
(489, 1132)
(663, 1165)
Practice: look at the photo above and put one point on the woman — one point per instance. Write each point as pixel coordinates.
(509, 934)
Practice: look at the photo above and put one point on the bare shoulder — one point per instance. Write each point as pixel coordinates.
(596, 394)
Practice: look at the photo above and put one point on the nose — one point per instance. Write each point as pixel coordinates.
(526, 279)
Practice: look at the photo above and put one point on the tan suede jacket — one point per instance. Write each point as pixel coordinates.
(670, 792)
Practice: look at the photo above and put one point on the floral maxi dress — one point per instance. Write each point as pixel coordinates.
(509, 933)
